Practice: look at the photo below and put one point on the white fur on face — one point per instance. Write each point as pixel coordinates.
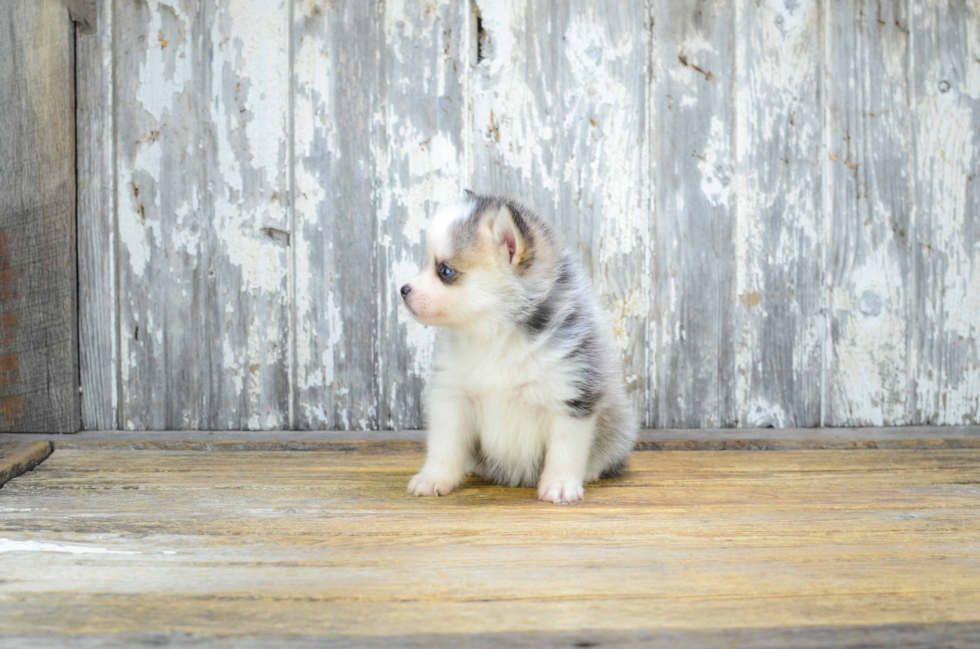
(481, 286)
(437, 239)
(432, 301)
(429, 299)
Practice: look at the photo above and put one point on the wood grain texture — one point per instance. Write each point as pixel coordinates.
(337, 111)
(945, 92)
(869, 186)
(164, 257)
(779, 237)
(97, 307)
(247, 148)
(20, 457)
(233, 545)
(84, 13)
(38, 319)
(516, 120)
(202, 191)
(946, 634)
(694, 218)
(776, 200)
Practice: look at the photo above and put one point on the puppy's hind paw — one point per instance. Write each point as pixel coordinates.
(561, 491)
(424, 484)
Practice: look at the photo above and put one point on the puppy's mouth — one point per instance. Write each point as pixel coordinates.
(433, 319)
(415, 314)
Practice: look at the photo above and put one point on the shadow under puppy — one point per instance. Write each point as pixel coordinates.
(528, 388)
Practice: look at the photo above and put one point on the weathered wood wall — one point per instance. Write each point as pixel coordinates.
(778, 200)
(38, 322)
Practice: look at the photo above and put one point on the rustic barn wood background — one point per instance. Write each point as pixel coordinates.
(38, 310)
(778, 200)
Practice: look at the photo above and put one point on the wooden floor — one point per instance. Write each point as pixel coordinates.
(225, 545)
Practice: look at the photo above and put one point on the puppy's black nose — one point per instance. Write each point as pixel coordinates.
(406, 290)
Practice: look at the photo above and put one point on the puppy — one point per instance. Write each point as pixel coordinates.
(528, 387)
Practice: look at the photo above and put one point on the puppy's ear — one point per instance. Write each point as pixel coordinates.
(470, 195)
(509, 232)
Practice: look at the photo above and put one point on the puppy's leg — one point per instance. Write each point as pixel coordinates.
(452, 434)
(474, 468)
(566, 460)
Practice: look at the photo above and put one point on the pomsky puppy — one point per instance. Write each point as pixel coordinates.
(528, 388)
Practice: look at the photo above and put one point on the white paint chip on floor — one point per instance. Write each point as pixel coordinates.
(7, 545)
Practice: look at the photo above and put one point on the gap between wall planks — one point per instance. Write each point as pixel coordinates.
(38, 319)
(778, 204)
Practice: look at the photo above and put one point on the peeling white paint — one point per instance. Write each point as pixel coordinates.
(760, 414)
(604, 162)
(625, 309)
(574, 141)
(870, 357)
(790, 16)
(716, 176)
(184, 237)
(166, 70)
(261, 262)
(946, 366)
(777, 121)
(506, 113)
(138, 204)
(962, 299)
(433, 167)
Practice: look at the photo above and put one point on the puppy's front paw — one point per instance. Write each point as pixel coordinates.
(426, 484)
(560, 491)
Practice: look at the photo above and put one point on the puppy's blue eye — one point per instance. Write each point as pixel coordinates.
(445, 271)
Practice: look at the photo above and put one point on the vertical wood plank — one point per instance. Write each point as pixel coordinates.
(603, 165)
(247, 144)
(694, 223)
(202, 195)
(337, 117)
(779, 231)
(560, 120)
(946, 247)
(870, 178)
(164, 264)
(421, 162)
(516, 125)
(97, 313)
(38, 319)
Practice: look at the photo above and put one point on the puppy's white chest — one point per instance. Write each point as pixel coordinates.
(514, 399)
(513, 435)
